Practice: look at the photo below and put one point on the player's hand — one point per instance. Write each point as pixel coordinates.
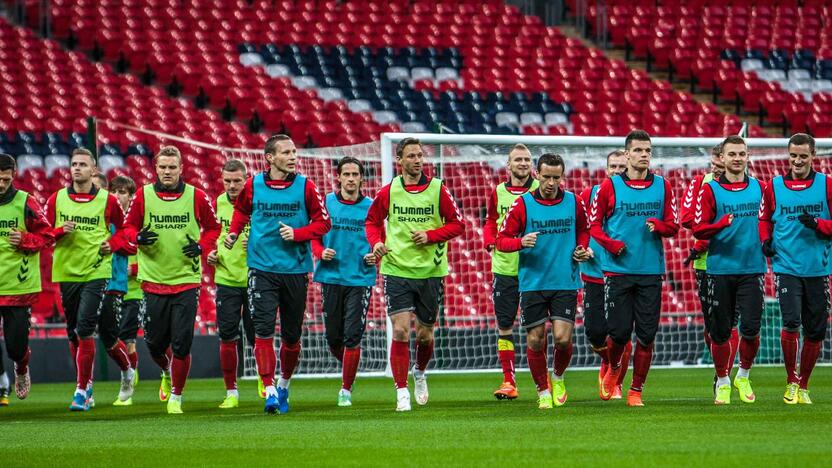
(808, 220)
(727, 219)
(287, 233)
(489, 248)
(105, 248)
(621, 249)
(328, 254)
(212, 257)
(692, 255)
(230, 240)
(15, 237)
(146, 236)
(651, 226)
(370, 259)
(529, 240)
(68, 227)
(244, 242)
(380, 250)
(192, 249)
(768, 249)
(419, 237)
(580, 254)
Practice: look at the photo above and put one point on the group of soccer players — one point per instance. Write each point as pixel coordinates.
(135, 255)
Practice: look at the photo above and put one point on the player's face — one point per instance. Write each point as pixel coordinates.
(285, 157)
(717, 167)
(168, 170)
(616, 165)
(82, 168)
(800, 160)
(638, 155)
(735, 158)
(100, 181)
(411, 160)
(6, 178)
(350, 178)
(233, 182)
(550, 178)
(520, 163)
(124, 198)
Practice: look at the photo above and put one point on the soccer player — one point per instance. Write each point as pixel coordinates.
(504, 294)
(630, 215)
(548, 226)
(422, 217)
(346, 271)
(82, 265)
(592, 274)
(285, 211)
(699, 252)
(164, 220)
(727, 213)
(124, 189)
(796, 232)
(24, 232)
(230, 275)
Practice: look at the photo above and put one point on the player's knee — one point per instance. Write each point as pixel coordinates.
(562, 342)
(289, 338)
(535, 338)
(816, 334)
(16, 353)
(352, 342)
(109, 342)
(334, 342)
(180, 349)
(749, 331)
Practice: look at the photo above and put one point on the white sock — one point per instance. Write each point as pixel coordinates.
(556, 377)
(283, 383)
(271, 391)
(742, 373)
(4, 380)
(233, 393)
(418, 374)
(720, 381)
(81, 391)
(176, 397)
(543, 393)
(127, 374)
(402, 391)
(344, 391)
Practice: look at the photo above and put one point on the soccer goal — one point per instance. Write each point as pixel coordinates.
(471, 165)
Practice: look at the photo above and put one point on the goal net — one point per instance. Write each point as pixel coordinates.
(471, 166)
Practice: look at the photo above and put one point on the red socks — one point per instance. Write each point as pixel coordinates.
(507, 358)
(73, 350)
(351, 358)
(22, 366)
(400, 362)
(642, 358)
(179, 373)
(788, 343)
(266, 360)
(808, 357)
(563, 356)
(338, 353)
(625, 361)
(289, 357)
(134, 359)
(616, 351)
(118, 353)
(721, 354)
(538, 367)
(734, 340)
(423, 355)
(228, 363)
(748, 351)
(84, 361)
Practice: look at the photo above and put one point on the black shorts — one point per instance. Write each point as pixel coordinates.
(232, 304)
(82, 306)
(595, 321)
(129, 322)
(169, 321)
(804, 302)
(633, 302)
(537, 307)
(16, 323)
(732, 299)
(702, 292)
(270, 293)
(423, 297)
(506, 297)
(345, 313)
(108, 320)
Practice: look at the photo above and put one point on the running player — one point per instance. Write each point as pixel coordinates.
(727, 213)
(422, 217)
(504, 292)
(230, 273)
(285, 212)
(629, 217)
(796, 232)
(24, 232)
(82, 265)
(346, 271)
(548, 226)
(592, 274)
(172, 223)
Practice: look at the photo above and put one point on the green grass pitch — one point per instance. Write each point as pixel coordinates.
(461, 425)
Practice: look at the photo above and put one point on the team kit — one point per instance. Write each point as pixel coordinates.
(128, 258)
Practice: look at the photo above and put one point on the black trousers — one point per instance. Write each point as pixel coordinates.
(595, 320)
(345, 313)
(82, 307)
(169, 321)
(270, 293)
(633, 302)
(804, 302)
(733, 299)
(232, 305)
(16, 325)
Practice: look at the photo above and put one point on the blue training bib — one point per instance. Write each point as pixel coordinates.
(349, 241)
(736, 249)
(549, 265)
(628, 223)
(800, 251)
